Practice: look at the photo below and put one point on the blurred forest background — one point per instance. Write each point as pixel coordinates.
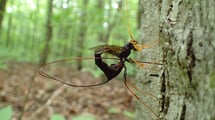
(70, 27)
(33, 32)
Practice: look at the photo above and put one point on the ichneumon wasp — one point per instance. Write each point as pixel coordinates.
(119, 53)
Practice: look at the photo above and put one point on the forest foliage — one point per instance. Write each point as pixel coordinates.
(23, 30)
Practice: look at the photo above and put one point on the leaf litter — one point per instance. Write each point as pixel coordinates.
(48, 97)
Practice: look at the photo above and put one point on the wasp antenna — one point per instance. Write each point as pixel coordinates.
(126, 21)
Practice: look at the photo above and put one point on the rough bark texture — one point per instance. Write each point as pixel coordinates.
(185, 86)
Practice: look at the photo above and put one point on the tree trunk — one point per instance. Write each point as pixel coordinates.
(186, 82)
(35, 28)
(111, 21)
(9, 30)
(2, 9)
(48, 34)
(82, 32)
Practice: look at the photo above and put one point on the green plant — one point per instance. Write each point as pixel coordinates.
(129, 114)
(6, 113)
(84, 117)
(57, 117)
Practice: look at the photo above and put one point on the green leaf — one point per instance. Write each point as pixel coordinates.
(113, 110)
(6, 113)
(129, 114)
(84, 117)
(57, 117)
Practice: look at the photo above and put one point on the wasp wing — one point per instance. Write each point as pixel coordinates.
(111, 49)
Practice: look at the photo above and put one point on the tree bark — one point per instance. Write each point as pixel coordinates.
(186, 82)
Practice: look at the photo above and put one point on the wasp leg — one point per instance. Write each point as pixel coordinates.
(136, 96)
(135, 62)
(143, 64)
(140, 47)
(145, 92)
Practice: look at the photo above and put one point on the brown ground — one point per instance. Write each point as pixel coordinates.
(48, 97)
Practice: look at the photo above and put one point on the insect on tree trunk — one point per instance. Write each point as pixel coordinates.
(186, 83)
(48, 34)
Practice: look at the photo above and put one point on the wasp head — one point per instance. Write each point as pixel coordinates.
(133, 44)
